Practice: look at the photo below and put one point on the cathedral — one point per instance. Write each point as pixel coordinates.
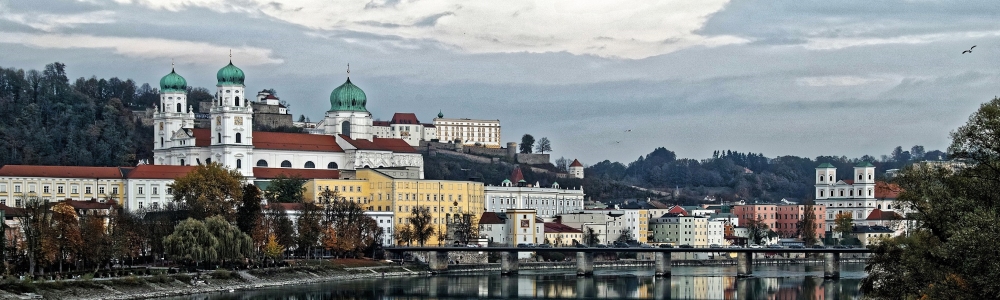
(345, 142)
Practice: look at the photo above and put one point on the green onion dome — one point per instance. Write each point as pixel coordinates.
(349, 97)
(173, 83)
(230, 75)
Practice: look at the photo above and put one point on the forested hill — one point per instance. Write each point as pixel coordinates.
(46, 120)
(730, 175)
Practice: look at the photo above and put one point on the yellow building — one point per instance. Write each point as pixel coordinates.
(353, 190)
(399, 191)
(57, 183)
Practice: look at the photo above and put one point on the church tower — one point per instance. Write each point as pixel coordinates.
(172, 114)
(232, 122)
(347, 114)
(864, 180)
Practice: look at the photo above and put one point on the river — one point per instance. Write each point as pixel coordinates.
(714, 282)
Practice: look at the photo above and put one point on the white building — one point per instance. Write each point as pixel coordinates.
(407, 127)
(547, 202)
(607, 224)
(342, 141)
(576, 169)
(858, 196)
(468, 131)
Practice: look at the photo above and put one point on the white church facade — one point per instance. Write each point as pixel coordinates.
(344, 139)
(859, 196)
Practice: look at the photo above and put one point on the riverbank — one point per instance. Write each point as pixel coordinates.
(637, 263)
(144, 287)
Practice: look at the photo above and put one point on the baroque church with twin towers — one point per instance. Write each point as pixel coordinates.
(344, 139)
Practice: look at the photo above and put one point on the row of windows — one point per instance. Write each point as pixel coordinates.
(287, 164)
(60, 189)
(860, 177)
(140, 190)
(850, 193)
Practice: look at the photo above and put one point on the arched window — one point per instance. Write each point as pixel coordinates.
(286, 164)
(262, 163)
(237, 102)
(239, 163)
(220, 137)
(208, 161)
(345, 128)
(331, 165)
(161, 141)
(239, 138)
(182, 162)
(888, 206)
(310, 165)
(178, 107)
(880, 206)
(820, 178)
(821, 193)
(859, 177)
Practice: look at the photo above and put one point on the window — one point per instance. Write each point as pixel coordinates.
(219, 135)
(59, 189)
(310, 165)
(262, 163)
(45, 189)
(331, 165)
(237, 102)
(139, 190)
(179, 107)
(286, 164)
(156, 190)
(17, 188)
(140, 204)
(114, 190)
(239, 138)
(87, 190)
(74, 190)
(239, 163)
(161, 141)
(100, 190)
(182, 162)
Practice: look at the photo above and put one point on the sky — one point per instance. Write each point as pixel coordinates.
(600, 79)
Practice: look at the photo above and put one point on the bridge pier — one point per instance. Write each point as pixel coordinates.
(744, 264)
(662, 260)
(437, 261)
(508, 263)
(831, 269)
(584, 263)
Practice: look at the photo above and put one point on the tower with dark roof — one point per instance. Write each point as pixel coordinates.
(576, 169)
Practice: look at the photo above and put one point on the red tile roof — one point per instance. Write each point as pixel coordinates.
(678, 210)
(516, 176)
(404, 118)
(381, 144)
(490, 218)
(61, 171)
(88, 204)
(560, 228)
(429, 125)
(159, 171)
(878, 214)
(380, 123)
(11, 211)
(576, 163)
(295, 141)
(269, 173)
(848, 181)
(285, 206)
(202, 137)
(885, 190)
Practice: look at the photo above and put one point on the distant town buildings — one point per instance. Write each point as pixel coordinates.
(468, 131)
(515, 193)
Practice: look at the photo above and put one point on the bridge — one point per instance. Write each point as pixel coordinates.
(437, 258)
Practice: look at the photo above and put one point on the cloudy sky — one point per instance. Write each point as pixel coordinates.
(802, 78)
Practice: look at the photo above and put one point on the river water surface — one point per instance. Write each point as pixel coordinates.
(715, 282)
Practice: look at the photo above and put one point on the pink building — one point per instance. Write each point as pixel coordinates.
(783, 219)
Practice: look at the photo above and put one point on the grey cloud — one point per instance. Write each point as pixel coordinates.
(432, 19)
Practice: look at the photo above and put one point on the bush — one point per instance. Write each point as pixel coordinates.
(160, 278)
(222, 274)
(185, 278)
(130, 280)
(18, 286)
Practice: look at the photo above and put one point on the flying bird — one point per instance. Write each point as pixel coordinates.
(628, 130)
(970, 50)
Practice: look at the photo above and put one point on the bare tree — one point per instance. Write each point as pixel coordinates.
(420, 224)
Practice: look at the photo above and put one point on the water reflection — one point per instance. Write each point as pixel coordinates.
(770, 282)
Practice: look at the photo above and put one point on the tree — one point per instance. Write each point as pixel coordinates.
(562, 164)
(917, 152)
(759, 231)
(66, 231)
(843, 224)
(404, 235)
(949, 252)
(527, 143)
(272, 249)
(210, 190)
(420, 224)
(543, 145)
(590, 237)
(309, 228)
(250, 211)
(34, 226)
(806, 226)
(329, 238)
(285, 189)
(626, 236)
(465, 228)
(233, 244)
(92, 227)
(558, 242)
(279, 225)
(192, 242)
